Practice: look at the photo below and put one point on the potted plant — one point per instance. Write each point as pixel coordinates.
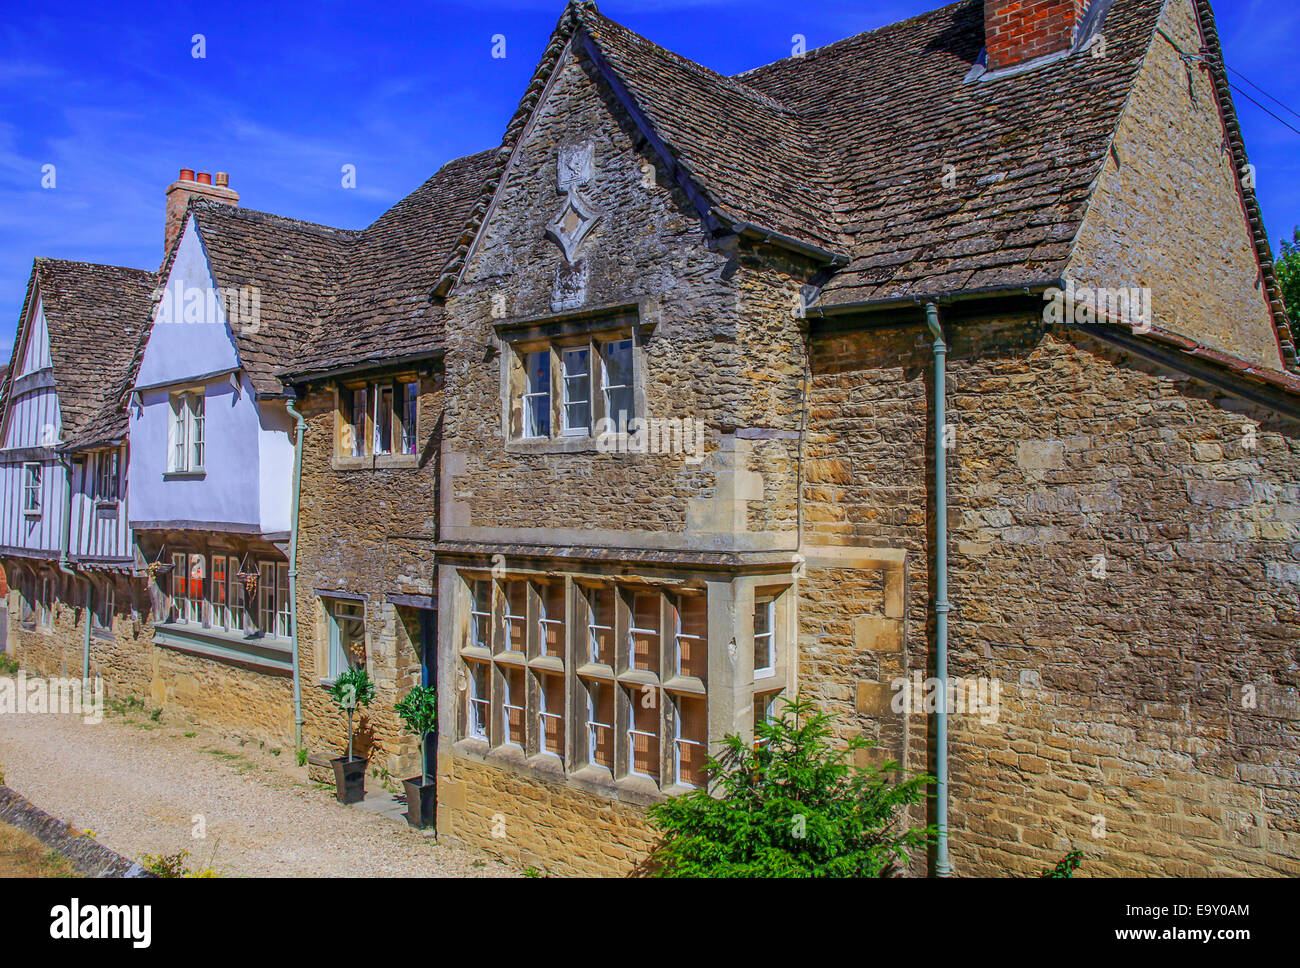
(351, 690)
(419, 712)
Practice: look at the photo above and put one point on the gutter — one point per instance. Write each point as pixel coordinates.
(816, 252)
(942, 866)
(301, 428)
(1028, 290)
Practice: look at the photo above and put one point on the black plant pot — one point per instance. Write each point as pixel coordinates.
(349, 779)
(421, 804)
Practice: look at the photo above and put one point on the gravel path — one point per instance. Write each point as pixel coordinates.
(138, 785)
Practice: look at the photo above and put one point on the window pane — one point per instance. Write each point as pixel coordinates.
(577, 391)
(600, 723)
(600, 625)
(355, 432)
(266, 597)
(643, 735)
(196, 430)
(383, 420)
(537, 396)
(220, 615)
(550, 726)
(645, 631)
(764, 637)
(692, 739)
(552, 619)
(512, 704)
(236, 588)
(477, 703)
(480, 615)
(284, 619)
(409, 415)
(692, 636)
(516, 602)
(194, 593)
(618, 363)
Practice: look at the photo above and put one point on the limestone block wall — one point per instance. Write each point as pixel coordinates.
(721, 345)
(237, 700)
(366, 531)
(1125, 561)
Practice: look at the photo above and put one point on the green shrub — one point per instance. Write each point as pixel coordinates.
(419, 712)
(350, 691)
(790, 805)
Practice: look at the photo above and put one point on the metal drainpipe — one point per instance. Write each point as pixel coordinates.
(64, 542)
(942, 866)
(301, 428)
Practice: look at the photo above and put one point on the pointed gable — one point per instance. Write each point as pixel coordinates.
(83, 322)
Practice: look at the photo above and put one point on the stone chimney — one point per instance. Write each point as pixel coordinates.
(1016, 31)
(186, 187)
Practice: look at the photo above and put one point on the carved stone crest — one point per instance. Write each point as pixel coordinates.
(577, 215)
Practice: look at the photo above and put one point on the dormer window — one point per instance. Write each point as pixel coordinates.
(185, 433)
(378, 418)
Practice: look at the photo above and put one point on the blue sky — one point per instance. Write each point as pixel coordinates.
(288, 94)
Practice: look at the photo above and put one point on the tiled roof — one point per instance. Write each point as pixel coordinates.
(298, 269)
(844, 149)
(95, 316)
(334, 297)
(382, 309)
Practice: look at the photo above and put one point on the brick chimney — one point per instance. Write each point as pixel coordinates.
(186, 187)
(1016, 31)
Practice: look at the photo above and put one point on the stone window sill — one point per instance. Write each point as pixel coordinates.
(376, 462)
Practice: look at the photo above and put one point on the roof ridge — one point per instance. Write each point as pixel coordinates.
(729, 81)
(257, 215)
(824, 48)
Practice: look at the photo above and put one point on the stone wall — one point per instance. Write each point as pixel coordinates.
(532, 821)
(1169, 157)
(233, 699)
(1125, 560)
(724, 349)
(366, 531)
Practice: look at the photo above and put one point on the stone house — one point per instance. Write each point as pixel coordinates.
(945, 358)
(786, 256)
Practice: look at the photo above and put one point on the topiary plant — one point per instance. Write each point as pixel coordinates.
(419, 712)
(789, 805)
(352, 689)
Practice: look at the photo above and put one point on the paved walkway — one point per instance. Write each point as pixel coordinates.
(139, 786)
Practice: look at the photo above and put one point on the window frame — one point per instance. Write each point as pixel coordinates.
(768, 670)
(33, 485)
(108, 479)
(338, 611)
(524, 398)
(186, 431)
(367, 409)
(270, 610)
